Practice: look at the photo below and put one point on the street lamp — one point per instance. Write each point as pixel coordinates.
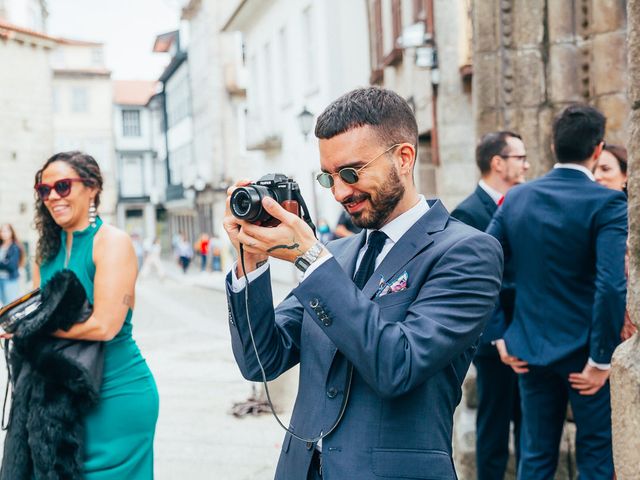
(305, 121)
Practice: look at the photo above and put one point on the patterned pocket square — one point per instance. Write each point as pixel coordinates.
(399, 284)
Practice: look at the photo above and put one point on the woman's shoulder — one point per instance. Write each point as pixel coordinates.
(110, 238)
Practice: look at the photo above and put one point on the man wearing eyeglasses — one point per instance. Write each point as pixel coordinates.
(502, 160)
(384, 323)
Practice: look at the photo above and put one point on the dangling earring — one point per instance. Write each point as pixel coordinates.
(93, 212)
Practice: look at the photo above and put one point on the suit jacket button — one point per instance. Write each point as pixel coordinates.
(309, 445)
(314, 303)
(326, 321)
(332, 392)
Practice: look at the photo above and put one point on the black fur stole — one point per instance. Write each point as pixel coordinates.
(55, 383)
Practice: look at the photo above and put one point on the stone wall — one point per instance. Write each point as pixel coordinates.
(533, 57)
(625, 373)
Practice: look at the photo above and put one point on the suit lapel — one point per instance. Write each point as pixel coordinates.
(415, 240)
(487, 201)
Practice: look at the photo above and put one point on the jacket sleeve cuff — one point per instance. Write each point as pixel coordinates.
(238, 284)
(599, 366)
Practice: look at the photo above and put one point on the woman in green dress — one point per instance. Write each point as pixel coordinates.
(120, 430)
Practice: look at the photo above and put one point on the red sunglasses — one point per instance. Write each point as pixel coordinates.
(62, 188)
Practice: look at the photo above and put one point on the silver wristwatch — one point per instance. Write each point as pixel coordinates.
(307, 258)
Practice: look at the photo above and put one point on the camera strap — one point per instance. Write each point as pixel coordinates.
(5, 424)
(347, 386)
(305, 211)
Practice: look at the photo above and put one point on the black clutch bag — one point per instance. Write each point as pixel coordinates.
(13, 313)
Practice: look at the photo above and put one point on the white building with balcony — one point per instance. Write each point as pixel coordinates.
(140, 159)
(299, 54)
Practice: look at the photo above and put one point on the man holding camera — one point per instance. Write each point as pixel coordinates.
(384, 323)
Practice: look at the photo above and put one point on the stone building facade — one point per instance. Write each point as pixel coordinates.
(434, 76)
(534, 57)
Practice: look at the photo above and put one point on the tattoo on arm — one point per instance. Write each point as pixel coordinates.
(128, 301)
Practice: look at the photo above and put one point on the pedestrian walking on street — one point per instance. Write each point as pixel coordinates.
(384, 323)
(202, 247)
(11, 259)
(118, 433)
(153, 260)
(183, 252)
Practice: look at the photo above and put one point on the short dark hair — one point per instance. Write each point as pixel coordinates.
(577, 131)
(490, 145)
(387, 112)
(620, 153)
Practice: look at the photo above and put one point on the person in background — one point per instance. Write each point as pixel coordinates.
(324, 232)
(202, 247)
(502, 160)
(611, 169)
(566, 237)
(345, 227)
(215, 249)
(152, 260)
(611, 172)
(11, 258)
(184, 252)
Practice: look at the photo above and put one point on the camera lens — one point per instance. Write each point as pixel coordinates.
(242, 203)
(246, 203)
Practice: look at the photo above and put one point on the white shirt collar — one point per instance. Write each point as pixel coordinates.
(575, 166)
(493, 193)
(397, 227)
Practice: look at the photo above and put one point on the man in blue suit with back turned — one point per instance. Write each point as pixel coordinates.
(384, 323)
(566, 237)
(502, 160)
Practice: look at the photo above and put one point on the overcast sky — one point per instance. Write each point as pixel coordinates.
(127, 28)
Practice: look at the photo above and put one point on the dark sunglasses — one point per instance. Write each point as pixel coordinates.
(62, 188)
(348, 175)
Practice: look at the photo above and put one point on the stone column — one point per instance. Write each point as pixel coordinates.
(625, 372)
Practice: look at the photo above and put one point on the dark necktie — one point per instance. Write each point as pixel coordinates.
(368, 263)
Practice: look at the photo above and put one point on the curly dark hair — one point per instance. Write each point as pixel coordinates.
(48, 230)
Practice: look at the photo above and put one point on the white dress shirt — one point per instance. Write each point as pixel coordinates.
(492, 192)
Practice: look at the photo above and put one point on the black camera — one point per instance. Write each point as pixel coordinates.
(246, 202)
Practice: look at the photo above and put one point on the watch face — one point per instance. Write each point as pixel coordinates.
(301, 264)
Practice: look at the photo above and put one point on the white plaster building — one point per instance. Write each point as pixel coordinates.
(83, 110)
(178, 130)
(31, 14)
(26, 132)
(299, 53)
(141, 170)
(217, 84)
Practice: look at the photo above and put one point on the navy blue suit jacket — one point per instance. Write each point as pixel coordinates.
(477, 210)
(411, 350)
(566, 236)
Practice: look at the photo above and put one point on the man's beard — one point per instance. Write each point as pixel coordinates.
(383, 202)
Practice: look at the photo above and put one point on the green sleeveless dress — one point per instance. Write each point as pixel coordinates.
(120, 429)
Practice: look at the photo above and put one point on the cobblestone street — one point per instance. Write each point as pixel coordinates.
(182, 331)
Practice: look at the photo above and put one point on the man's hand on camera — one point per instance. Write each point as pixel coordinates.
(232, 226)
(287, 241)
